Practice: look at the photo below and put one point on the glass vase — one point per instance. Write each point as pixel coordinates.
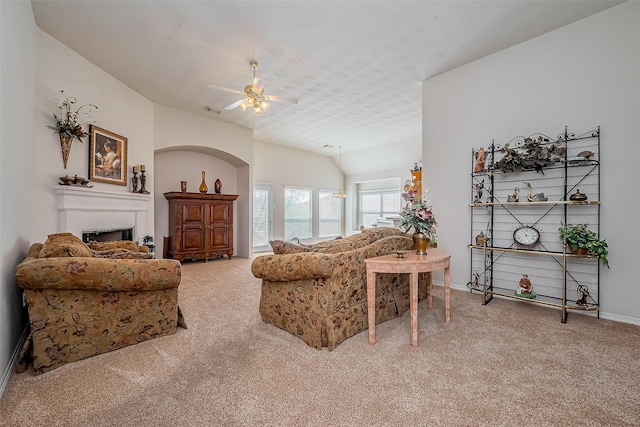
(203, 186)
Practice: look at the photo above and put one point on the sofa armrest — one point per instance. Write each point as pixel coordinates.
(289, 267)
(98, 274)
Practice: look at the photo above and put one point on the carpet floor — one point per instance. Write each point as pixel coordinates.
(504, 364)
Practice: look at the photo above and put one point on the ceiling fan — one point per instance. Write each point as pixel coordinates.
(254, 96)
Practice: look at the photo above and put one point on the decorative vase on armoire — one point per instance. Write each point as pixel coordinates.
(203, 185)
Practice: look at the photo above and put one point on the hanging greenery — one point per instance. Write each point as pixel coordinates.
(534, 154)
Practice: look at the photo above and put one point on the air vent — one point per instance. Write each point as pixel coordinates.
(211, 110)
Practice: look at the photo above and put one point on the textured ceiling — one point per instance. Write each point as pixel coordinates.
(356, 67)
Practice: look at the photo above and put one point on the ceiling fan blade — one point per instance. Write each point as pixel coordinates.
(257, 86)
(282, 99)
(233, 106)
(225, 89)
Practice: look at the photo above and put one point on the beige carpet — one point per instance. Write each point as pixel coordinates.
(508, 363)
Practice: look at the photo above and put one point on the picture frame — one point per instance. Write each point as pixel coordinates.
(107, 156)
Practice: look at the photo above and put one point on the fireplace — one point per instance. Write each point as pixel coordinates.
(107, 235)
(97, 212)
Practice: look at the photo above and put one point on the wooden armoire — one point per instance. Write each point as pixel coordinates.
(200, 225)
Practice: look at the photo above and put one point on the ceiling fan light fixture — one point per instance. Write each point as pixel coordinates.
(340, 194)
(254, 95)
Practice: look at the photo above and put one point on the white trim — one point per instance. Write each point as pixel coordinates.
(87, 209)
(14, 359)
(621, 319)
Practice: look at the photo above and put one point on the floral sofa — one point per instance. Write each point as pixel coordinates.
(85, 300)
(319, 292)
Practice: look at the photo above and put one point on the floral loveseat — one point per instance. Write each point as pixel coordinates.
(319, 292)
(84, 301)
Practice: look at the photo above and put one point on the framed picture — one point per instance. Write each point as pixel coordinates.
(107, 157)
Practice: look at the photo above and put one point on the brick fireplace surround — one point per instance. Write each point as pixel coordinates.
(84, 210)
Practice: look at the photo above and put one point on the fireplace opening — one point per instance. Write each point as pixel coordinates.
(107, 235)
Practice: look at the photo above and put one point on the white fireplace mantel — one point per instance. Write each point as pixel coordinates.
(83, 209)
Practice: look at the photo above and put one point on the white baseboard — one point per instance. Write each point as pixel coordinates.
(603, 315)
(14, 359)
(618, 318)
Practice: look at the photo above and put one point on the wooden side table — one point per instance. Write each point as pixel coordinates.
(413, 264)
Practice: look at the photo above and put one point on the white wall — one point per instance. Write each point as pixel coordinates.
(280, 166)
(120, 110)
(17, 210)
(582, 75)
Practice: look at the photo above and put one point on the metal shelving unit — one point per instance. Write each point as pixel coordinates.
(498, 263)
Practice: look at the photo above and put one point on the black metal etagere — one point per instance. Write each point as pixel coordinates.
(566, 164)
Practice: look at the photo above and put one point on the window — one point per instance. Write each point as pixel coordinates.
(329, 214)
(261, 216)
(374, 204)
(297, 213)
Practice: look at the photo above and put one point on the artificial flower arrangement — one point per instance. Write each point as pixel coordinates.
(68, 124)
(418, 213)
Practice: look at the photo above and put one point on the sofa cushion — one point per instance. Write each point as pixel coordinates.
(119, 244)
(355, 241)
(282, 247)
(121, 254)
(64, 245)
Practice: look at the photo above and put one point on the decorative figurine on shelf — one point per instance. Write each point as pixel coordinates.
(539, 197)
(578, 196)
(479, 187)
(183, 186)
(525, 288)
(480, 155)
(514, 197)
(134, 180)
(475, 283)
(586, 154)
(584, 290)
(217, 186)
(143, 181)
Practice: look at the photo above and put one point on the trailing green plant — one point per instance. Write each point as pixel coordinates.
(579, 236)
(534, 154)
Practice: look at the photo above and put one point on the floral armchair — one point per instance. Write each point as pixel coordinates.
(319, 293)
(84, 301)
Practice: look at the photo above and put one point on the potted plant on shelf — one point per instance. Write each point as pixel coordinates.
(581, 240)
(148, 242)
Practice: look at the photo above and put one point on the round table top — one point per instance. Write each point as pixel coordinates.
(410, 257)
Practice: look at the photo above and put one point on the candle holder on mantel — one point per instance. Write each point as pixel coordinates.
(143, 182)
(134, 181)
